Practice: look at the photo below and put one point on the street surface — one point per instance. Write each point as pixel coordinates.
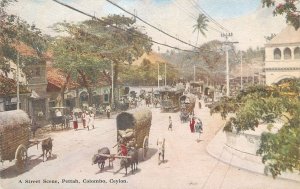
(187, 164)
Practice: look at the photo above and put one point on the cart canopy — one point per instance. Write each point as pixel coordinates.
(134, 118)
(13, 118)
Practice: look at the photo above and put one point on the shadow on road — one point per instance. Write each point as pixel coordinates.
(12, 171)
(105, 169)
(151, 152)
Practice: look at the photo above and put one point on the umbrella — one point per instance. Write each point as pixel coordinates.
(58, 107)
(77, 110)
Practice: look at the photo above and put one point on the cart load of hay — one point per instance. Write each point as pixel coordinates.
(187, 102)
(14, 132)
(133, 128)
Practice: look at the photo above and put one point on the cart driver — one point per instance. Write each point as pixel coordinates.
(124, 150)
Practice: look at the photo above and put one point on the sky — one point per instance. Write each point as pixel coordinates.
(246, 19)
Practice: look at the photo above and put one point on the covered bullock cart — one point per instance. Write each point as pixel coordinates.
(133, 129)
(187, 105)
(14, 137)
(170, 99)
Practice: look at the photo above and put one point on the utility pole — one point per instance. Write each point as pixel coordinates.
(227, 72)
(18, 83)
(112, 84)
(194, 72)
(226, 35)
(158, 74)
(241, 71)
(253, 72)
(165, 74)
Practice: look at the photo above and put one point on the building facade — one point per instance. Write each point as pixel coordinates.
(282, 58)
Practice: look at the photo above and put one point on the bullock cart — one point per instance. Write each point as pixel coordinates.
(170, 99)
(187, 102)
(187, 105)
(15, 137)
(133, 128)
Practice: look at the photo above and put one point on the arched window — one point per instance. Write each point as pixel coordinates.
(277, 54)
(297, 53)
(287, 53)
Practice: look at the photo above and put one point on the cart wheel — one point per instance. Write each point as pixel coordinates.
(145, 147)
(21, 157)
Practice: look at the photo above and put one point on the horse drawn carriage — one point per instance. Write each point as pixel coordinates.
(15, 137)
(170, 99)
(59, 117)
(187, 105)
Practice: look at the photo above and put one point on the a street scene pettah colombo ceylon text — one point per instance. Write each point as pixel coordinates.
(166, 94)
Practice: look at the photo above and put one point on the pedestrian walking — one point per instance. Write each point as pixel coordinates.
(91, 118)
(161, 149)
(199, 128)
(75, 121)
(83, 117)
(170, 123)
(192, 125)
(108, 109)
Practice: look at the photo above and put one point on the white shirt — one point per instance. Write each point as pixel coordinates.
(58, 114)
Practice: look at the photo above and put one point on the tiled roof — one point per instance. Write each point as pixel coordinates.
(8, 86)
(56, 80)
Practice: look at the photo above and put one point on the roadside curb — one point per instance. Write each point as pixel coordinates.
(218, 149)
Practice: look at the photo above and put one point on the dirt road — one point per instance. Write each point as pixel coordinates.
(187, 164)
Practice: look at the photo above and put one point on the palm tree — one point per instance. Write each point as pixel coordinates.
(201, 25)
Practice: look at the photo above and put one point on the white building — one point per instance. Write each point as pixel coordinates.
(283, 56)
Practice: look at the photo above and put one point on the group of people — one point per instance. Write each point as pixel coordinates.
(87, 120)
(196, 126)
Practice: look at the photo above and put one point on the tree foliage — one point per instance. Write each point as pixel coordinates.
(210, 62)
(259, 104)
(287, 8)
(146, 73)
(15, 32)
(201, 25)
(92, 47)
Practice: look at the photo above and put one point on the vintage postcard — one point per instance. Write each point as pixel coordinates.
(149, 94)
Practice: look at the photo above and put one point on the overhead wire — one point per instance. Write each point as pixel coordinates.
(151, 25)
(191, 15)
(122, 29)
(208, 16)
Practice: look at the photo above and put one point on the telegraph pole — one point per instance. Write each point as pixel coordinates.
(227, 72)
(194, 73)
(165, 74)
(158, 74)
(241, 71)
(112, 84)
(18, 83)
(226, 35)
